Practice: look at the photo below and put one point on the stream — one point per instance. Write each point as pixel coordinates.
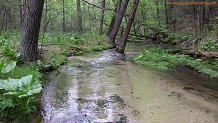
(107, 87)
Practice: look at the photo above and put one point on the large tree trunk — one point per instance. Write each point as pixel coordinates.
(30, 30)
(118, 21)
(79, 17)
(102, 18)
(122, 44)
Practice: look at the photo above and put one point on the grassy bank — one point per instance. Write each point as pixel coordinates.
(157, 57)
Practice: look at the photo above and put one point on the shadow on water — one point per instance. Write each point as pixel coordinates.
(193, 78)
(106, 87)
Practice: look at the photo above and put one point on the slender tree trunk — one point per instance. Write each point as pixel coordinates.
(63, 21)
(90, 19)
(122, 44)
(202, 19)
(79, 17)
(158, 13)
(134, 27)
(166, 12)
(118, 6)
(118, 21)
(4, 16)
(102, 18)
(22, 10)
(144, 17)
(30, 30)
(111, 26)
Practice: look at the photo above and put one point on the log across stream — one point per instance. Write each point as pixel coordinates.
(107, 87)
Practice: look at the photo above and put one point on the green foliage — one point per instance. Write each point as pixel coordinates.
(78, 40)
(157, 57)
(59, 60)
(183, 36)
(209, 45)
(24, 70)
(18, 94)
(99, 47)
(73, 39)
(9, 43)
(9, 39)
(5, 68)
(7, 51)
(17, 98)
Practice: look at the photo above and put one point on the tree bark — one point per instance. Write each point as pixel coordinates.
(122, 44)
(118, 21)
(22, 11)
(79, 17)
(102, 18)
(4, 16)
(158, 13)
(30, 30)
(166, 12)
(113, 19)
(63, 21)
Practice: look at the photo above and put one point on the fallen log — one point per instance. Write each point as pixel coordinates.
(201, 53)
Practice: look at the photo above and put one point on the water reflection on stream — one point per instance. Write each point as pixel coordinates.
(105, 87)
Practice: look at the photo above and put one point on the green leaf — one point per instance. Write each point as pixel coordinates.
(31, 109)
(36, 89)
(29, 85)
(8, 67)
(17, 94)
(6, 103)
(26, 82)
(23, 87)
(1, 66)
(9, 84)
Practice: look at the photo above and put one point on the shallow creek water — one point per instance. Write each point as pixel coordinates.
(107, 87)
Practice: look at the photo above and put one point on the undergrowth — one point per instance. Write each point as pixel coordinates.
(157, 57)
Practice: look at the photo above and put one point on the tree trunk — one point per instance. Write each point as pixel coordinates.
(30, 30)
(166, 12)
(122, 44)
(143, 16)
(118, 21)
(79, 17)
(102, 18)
(90, 19)
(4, 16)
(22, 11)
(63, 21)
(116, 11)
(158, 13)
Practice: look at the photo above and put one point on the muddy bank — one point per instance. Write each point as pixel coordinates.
(106, 87)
